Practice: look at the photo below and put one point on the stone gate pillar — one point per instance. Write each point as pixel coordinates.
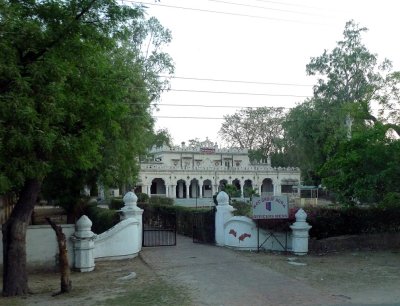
(83, 240)
(300, 233)
(131, 210)
(223, 214)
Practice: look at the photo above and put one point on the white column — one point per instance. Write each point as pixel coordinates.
(187, 190)
(167, 191)
(201, 190)
(148, 190)
(277, 189)
(173, 191)
(241, 190)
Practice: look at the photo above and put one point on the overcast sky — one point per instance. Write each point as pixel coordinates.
(262, 47)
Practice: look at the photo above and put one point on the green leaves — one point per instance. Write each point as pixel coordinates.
(351, 83)
(75, 92)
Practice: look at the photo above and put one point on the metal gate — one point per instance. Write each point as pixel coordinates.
(204, 226)
(159, 227)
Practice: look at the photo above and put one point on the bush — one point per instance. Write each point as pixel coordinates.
(103, 219)
(161, 201)
(391, 199)
(329, 222)
(142, 197)
(242, 208)
(116, 203)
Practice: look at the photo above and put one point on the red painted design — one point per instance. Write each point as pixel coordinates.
(232, 232)
(244, 236)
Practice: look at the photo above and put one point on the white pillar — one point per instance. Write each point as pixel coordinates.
(131, 210)
(241, 190)
(173, 191)
(83, 240)
(277, 189)
(223, 214)
(167, 191)
(300, 233)
(201, 190)
(187, 190)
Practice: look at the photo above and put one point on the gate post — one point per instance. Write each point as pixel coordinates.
(83, 240)
(131, 210)
(300, 233)
(223, 214)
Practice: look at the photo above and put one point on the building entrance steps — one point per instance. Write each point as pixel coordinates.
(220, 276)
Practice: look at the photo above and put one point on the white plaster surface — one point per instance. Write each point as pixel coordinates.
(42, 246)
(119, 241)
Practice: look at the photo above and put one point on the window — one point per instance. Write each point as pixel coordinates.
(287, 188)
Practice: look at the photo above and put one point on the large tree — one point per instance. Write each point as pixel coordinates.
(254, 129)
(366, 168)
(75, 96)
(351, 84)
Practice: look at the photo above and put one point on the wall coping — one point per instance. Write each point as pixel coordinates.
(115, 229)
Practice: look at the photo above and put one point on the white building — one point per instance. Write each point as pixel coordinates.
(199, 172)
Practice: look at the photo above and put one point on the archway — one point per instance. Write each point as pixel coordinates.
(194, 190)
(248, 189)
(267, 187)
(207, 189)
(180, 189)
(222, 184)
(158, 187)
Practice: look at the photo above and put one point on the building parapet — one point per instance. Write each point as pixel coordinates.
(160, 166)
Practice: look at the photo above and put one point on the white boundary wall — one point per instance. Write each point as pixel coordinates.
(42, 246)
(121, 241)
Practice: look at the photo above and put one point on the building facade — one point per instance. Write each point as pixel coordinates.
(184, 172)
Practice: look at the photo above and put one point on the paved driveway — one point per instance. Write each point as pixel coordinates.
(219, 276)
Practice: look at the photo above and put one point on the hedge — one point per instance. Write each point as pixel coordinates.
(103, 219)
(330, 222)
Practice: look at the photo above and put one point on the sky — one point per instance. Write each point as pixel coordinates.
(230, 54)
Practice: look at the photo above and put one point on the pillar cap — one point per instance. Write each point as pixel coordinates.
(84, 223)
(223, 198)
(130, 197)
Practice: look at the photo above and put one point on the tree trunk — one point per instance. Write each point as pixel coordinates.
(63, 258)
(15, 278)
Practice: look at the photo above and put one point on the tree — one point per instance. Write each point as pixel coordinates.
(364, 169)
(75, 98)
(351, 82)
(254, 129)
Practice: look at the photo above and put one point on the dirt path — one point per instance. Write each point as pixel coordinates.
(192, 274)
(219, 276)
(366, 278)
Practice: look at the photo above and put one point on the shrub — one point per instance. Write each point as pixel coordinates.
(391, 199)
(330, 222)
(161, 201)
(116, 203)
(102, 218)
(142, 197)
(242, 208)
